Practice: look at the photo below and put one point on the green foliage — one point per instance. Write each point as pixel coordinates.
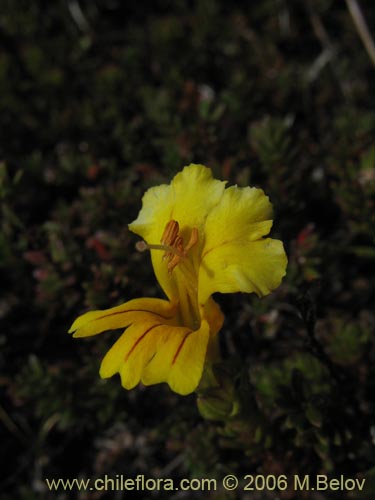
(349, 341)
(98, 102)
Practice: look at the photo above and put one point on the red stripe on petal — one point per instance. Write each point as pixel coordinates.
(130, 311)
(141, 338)
(180, 347)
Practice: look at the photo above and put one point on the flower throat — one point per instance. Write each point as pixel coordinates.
(186, 279)
(172, 243)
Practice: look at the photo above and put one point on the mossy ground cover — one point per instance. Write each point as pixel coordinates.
(102, 99)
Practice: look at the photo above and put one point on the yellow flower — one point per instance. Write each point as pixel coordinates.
(203, 238)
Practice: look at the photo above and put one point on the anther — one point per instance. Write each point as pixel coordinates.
(170, 233)
(172, 243)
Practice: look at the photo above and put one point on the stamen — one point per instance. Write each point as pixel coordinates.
(172, 243)
(193, 239)
(170, 233)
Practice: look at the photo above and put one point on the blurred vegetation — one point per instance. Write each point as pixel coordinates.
(100, 100)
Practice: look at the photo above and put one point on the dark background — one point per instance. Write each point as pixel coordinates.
(100, 100)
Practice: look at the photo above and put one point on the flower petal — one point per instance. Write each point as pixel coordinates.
(134, 351)
(131, 348)
(166, 345)
(235, 257)
(256, 266)
(213, 314)
(188, 200)
(242, 213)
(179, 359)
(155, 353)
(94, 322)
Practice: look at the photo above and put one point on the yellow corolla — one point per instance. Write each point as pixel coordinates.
(203, 238)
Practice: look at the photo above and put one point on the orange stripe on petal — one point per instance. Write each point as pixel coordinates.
(180, 347)
(186, 371)
(140, 339)
(147, 311)
(136, 310)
